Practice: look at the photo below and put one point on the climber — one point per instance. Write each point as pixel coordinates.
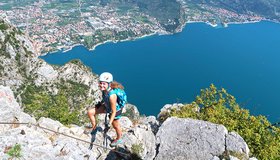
(113, 100)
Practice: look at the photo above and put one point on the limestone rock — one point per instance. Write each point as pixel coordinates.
(147, 138)
(236, 144)
(33, 144)
(10, 110)
(36, 140)
(125, 122)
(190, 139)
(79, 73)
(131, 111)
(10, 50)
(27, 43)
(49, 123)
(151, 121)
(46, 73)
(168, 107)
(138, 138)
(196, 139)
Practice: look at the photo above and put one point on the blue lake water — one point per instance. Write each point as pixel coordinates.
(158, 70)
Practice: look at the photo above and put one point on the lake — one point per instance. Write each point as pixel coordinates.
(158, 70)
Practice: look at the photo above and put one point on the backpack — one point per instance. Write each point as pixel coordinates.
(121, 97)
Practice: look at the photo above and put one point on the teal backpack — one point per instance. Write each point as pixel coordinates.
(122, 98)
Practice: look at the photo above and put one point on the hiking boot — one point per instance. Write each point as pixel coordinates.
(116, 142)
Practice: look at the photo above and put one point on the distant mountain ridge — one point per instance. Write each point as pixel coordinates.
(267, 8)
(170, 11)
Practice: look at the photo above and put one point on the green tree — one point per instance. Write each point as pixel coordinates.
(219, 107)
(65, 106)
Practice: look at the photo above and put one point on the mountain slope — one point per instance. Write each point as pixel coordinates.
(69, 88)
(265, 8)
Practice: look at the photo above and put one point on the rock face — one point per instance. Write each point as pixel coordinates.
(236, 144)
(10, 110)
(30, 77)
(20, 66)
(38, 142)
(33, 142)
(195, 139)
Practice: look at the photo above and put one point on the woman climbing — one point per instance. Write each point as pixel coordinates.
(113, 100)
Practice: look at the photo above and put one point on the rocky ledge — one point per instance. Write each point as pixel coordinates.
(144, 138)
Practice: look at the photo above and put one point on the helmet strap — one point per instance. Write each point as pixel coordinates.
(109, 87)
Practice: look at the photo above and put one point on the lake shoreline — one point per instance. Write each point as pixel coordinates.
(155, 33)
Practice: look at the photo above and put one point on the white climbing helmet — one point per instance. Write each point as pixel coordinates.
(106, 77)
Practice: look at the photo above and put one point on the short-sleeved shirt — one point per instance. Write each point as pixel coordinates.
(106, 99)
